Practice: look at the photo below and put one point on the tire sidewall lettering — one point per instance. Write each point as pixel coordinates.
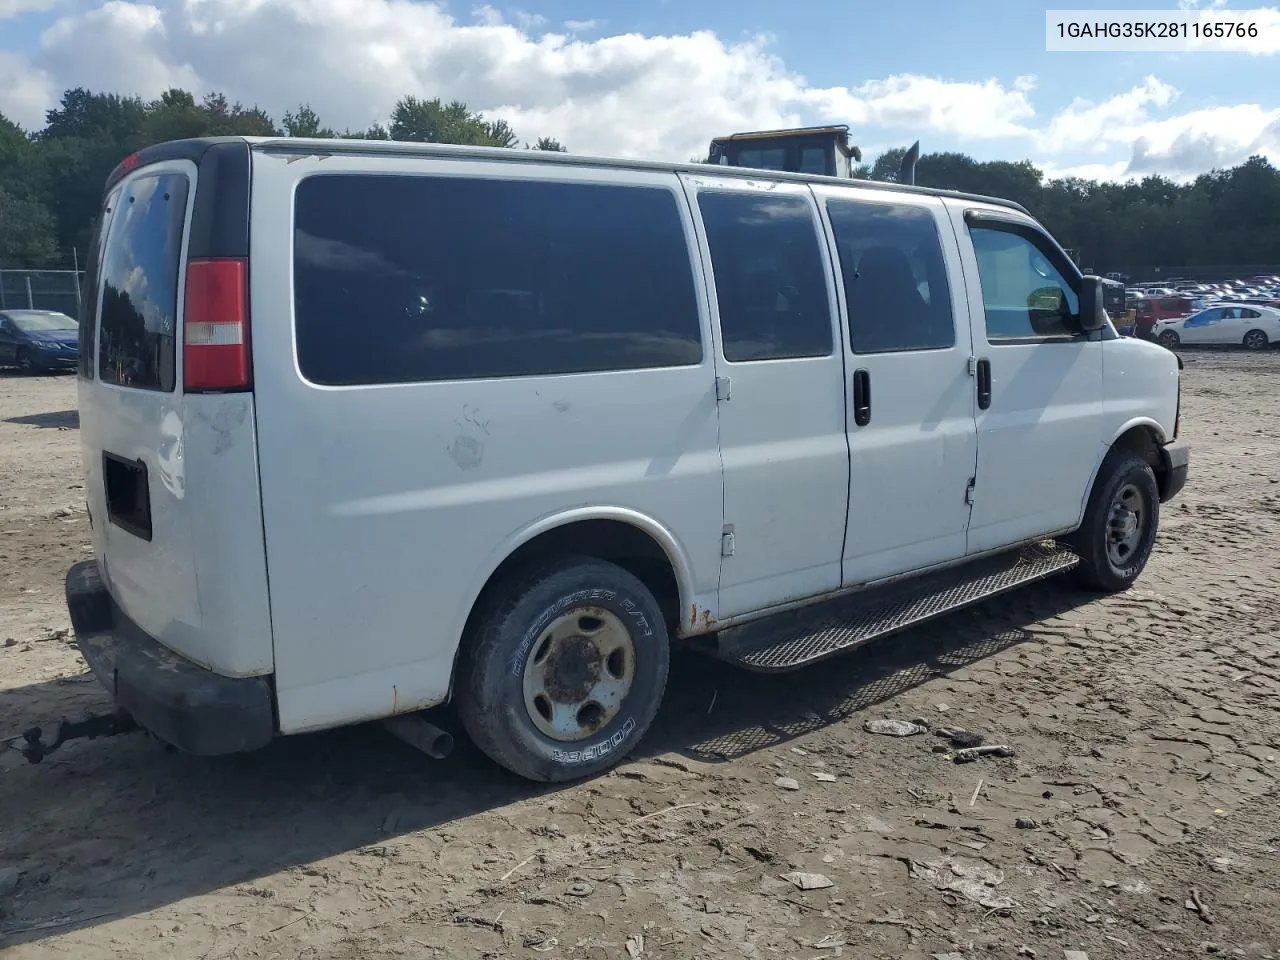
(596, 750)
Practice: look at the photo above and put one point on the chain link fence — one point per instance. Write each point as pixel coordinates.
(41, 290)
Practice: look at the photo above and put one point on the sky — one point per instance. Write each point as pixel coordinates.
(659, 78)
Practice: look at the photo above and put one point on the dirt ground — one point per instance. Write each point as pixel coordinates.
(1146, 729)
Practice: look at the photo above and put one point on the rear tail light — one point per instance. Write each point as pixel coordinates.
(215, 353)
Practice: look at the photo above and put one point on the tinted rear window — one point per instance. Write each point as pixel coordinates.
(140, 283)
(402, 279)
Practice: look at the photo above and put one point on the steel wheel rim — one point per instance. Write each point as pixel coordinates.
(579, 673)
(1255, 340)
(1125, 524)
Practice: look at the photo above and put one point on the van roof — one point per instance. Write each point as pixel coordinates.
(193, 149)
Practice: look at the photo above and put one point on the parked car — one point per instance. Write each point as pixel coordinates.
(1254, 328)
(37, 341)
(378, 457)
(1151, 309)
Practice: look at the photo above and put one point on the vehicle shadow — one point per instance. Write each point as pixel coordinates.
(69, 419)
(114, 828)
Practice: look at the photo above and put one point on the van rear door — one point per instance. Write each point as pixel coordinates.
(171, 470)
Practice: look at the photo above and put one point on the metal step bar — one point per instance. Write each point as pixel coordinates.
(802, 637)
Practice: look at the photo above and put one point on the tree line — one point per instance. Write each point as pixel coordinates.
(1222, 217)
(51, 180)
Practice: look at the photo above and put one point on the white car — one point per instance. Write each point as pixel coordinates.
(1252, 327)
(351, 453)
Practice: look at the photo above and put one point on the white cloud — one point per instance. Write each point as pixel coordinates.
(120, 46)
(15, 8)
(627, 95)
(25, 92)
(985, 110)
(1092, 126)
(1179, 146)
(621, 95)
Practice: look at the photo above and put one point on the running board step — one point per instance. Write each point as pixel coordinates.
(788, 641)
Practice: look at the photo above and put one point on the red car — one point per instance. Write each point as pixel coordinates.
(1151, 309)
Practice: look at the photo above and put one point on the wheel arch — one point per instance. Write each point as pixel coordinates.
(1142, 436)
(633, 540)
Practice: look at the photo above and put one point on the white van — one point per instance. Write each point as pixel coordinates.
(371, 427)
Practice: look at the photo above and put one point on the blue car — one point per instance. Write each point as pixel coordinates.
(38, 340)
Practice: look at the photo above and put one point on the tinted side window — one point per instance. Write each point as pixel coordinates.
(769, 279)
(1025, 295)
(895, 280)
(88, 318)
(140, 283)
(773, 158)
(401, 279)
(813, 160)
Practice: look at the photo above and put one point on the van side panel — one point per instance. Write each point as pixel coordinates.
(196, 580)
(387, 506)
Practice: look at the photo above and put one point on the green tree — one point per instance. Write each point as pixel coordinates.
(433, 121)
(550, 143)
(305, 123)
(26, 231)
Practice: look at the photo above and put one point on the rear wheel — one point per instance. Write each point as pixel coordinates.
(1170, 340)
(565, 671)
(1120, 523)
(1256, 340)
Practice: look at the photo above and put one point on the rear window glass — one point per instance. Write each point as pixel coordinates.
(140, 283)
(405, 279)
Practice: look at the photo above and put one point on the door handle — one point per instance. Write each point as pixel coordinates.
(984, 383)
(861, 397)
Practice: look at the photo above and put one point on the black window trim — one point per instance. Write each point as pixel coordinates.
(824, 256)
(1049, 248)
(102, 232)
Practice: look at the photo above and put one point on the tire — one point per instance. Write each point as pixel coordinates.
(1256, 340)
(23, 361)
(1170, 340)
(565, 670)
(1113, 554)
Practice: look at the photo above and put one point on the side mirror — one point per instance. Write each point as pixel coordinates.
(1093, 315)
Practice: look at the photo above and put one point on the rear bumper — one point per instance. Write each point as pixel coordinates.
(182, 703)
(1176, 458)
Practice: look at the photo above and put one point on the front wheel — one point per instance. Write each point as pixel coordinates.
(1170, 340)
(565, 671)
(1120, 522)
(23, 359)
(1256, 340)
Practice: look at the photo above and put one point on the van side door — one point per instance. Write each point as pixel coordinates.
(780, 375)
(1040, 400)
(909, 393)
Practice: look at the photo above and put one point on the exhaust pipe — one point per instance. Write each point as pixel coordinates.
(907, 172)
(421, 735)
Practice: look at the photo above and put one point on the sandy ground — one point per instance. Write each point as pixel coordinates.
(1147, 731)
